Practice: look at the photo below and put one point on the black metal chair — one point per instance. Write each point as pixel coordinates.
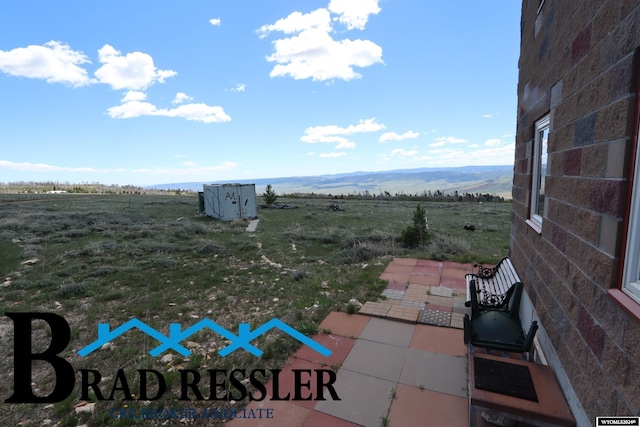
(498, 329)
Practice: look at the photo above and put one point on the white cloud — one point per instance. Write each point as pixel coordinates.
(181, 97)
(311, 52)
(345, 144)
(133, 106)
(43, 167)
(189, 170)
(133, 95)
(332, 133)
(240, 87)
(502, 155)
(392, 136)
(399, 152)
(490, 115)
(333, 155)
(54, 62)
(449, 140)
(354, 13)
(494, 142)
(314, 54)
(296, 22)
(438, 144)
(215, 22)
(134, 70)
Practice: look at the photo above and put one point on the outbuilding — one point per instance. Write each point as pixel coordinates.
(230, 201)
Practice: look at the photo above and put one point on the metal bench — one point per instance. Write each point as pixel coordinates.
(493, 284)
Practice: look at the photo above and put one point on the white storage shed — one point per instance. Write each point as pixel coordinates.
(230, 201)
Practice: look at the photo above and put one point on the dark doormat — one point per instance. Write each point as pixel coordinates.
(504, 378)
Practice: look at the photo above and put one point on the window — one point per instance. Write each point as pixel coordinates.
(631, 272)
(539, 171)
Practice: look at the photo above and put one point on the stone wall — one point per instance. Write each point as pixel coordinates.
(579, 63)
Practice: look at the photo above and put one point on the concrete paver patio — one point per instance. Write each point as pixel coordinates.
(396, 365)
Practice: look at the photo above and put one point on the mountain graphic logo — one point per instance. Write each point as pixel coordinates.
(176, 335)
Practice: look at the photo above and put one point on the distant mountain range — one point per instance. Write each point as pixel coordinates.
(496, 180)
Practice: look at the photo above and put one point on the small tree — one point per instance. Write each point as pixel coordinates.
(269, 196)
(416, 234)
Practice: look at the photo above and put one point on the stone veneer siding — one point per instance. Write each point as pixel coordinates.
(578, 62)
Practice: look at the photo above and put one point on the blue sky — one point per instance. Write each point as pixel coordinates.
(148, 92)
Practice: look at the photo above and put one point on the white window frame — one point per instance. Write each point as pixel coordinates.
(535, 218)
(631, 272)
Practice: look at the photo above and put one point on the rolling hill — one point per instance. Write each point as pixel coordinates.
(496, 180)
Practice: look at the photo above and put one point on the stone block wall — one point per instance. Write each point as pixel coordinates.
(579, 63)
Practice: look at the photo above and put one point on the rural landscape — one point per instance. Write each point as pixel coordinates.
(107, 258)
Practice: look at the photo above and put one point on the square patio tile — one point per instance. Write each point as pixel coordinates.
(394, 277)
(441, 292)
(375, 359)
(397, 286)
(412, 406)
(454, 283)
(405, 261)
(429, 263)
(437, 372)
(419, 279)
(286, 383)
(435, 299)
(346, 325)
(320, 419)
(415, 304)
(393, 293)
(427, 271)
(285, 414)
(379, 309)
(388, 332)
(439, 340)
(457, 320)
(365, 399)
(404, 313)
(340, 346)
(434, 317)
(460, 307)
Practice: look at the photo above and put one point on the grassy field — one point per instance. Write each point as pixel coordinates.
(108, 258)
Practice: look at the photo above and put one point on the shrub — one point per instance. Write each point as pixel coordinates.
(269, 195)
(416, 234)
(73, 289)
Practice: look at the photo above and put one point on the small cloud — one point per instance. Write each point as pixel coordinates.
(449, 140)
(399, 152)
(189, 164)
(54, 62)
(331, 133)
(490, 115)
(319, 19)
(392, 136)
(134, 71)
(354, 14)
(43, 167)
(133, 106)
(189, 170)
(181, 97)
(332, 155)
(240, 87)
(345, 144)
(215, 22)
(494, 142)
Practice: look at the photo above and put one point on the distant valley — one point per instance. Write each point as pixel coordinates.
(495, 180)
